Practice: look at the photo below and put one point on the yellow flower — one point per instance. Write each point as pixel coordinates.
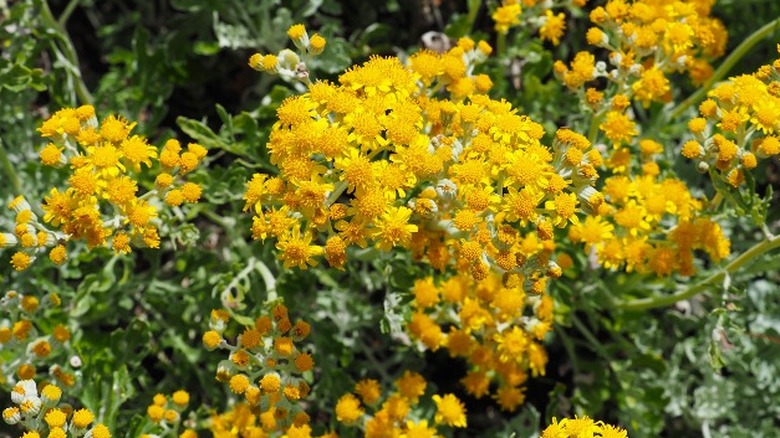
(506, 17)
(553, 27)
(510, 397)
(419, 430)
(100, 431)
(82, 418)
(115, 129)
(21, 260)
(356, 169)
(592, 231)
(316, 44)
(411, 385)
(652, 86)
(55, 418)
(296, 32)
(296, 250)
(618, 127)
(393, 229)
(137, 151)
(348, 409)
(449, 410)
(368, 390)
(239, 383)
(51, 155)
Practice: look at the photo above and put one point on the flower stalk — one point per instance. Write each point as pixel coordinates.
(751, 254)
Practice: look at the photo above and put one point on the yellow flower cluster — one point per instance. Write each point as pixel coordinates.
(287, 63)
(582, 428)
(40, 415)
(647, 40)
(535, 14)
(739, 125)
(166, 413)
(507, 15)
(494, 325)
(381, 160)
(390, 417)
(650, 224)
(266, 367)
(26, 345)
(101, 204)
(242, 421)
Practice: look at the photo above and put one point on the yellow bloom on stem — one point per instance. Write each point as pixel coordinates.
(411, 385)
(368, 390)
(450, 411)
(393, 228)
(348, 409)
(21, 260)
(506, 17)
(316, 44)
(296, 250)
(553, 27)
(137, 151)
(618, 127)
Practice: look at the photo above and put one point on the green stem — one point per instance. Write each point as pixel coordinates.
(716, 200)
(337, 191)
(666, 300)
(500, 44)
(68, 51)
(568, 346)
(594, 127)
(67, 12)
(591, 338)
(270, 281)
(9, 170)
(472, 14)
(724, 67)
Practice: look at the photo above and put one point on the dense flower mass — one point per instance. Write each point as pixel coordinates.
(738, 125)
(650, 221)
(460, 180)
(494, 325)
(104, 203)
(647, 40)
(650, 224)
(456, 253)
(381, 160)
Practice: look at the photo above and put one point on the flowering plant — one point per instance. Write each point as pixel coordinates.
(548, 212)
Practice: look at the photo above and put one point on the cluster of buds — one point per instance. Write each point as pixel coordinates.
(41, 415)
(101, 204)
(265, 366)
(738, 125)
(25, 346)
(288, 63)
(166, 413)
(393, 415)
